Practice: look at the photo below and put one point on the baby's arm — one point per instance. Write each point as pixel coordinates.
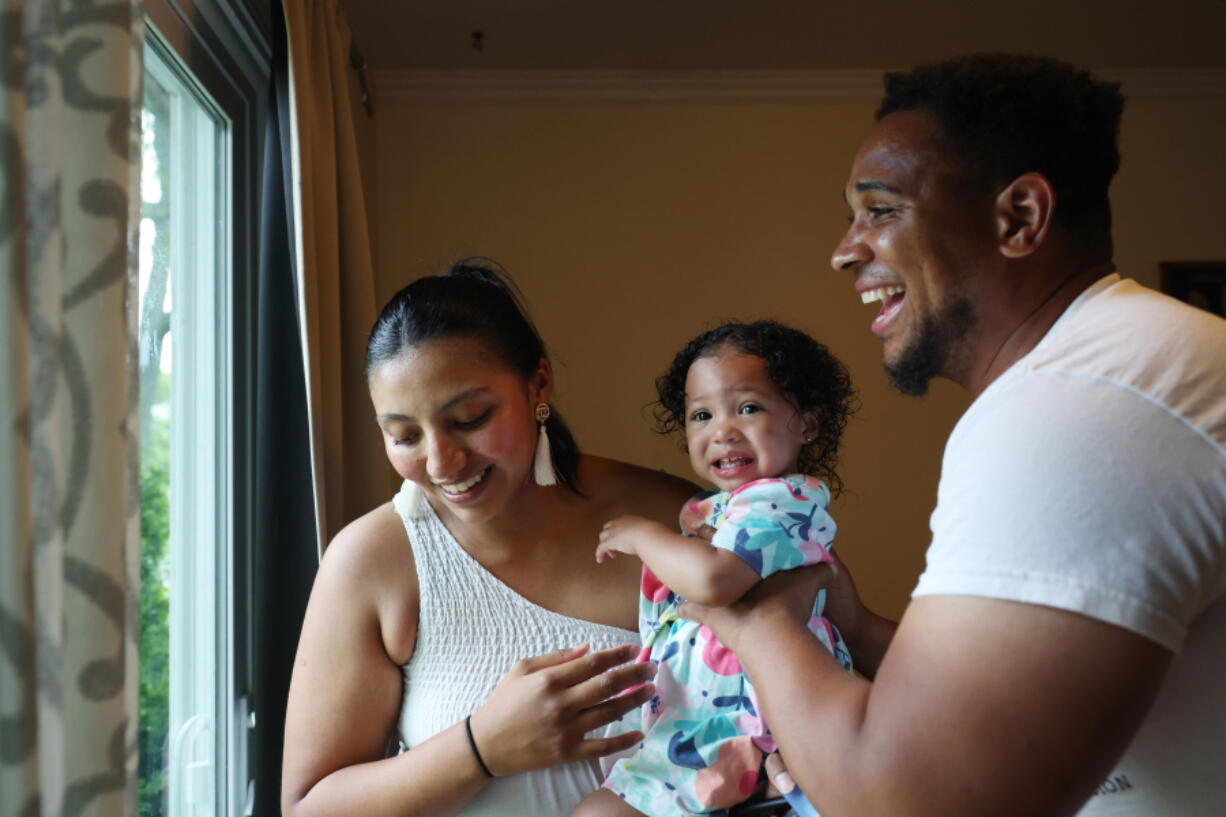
(689, 566)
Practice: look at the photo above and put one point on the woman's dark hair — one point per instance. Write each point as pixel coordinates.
(808, 375)
(475, 299)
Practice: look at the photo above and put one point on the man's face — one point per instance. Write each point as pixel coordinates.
(915, 244)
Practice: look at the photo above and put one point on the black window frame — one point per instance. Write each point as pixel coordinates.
(226, 45)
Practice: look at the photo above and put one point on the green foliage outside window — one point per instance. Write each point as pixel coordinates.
(154, 724)
(154, 703)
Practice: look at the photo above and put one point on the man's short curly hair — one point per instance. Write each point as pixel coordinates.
(805, 372)
(1004, 115)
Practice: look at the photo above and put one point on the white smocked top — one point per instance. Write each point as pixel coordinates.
(471, 628)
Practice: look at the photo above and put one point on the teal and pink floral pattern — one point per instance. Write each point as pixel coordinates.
(705, 737)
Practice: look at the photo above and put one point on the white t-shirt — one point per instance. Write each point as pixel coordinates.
(1091, 477)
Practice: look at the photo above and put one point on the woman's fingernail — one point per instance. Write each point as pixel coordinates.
(784, 782)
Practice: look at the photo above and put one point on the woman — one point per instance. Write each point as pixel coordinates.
(421, 606)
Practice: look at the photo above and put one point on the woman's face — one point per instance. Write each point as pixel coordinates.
(459, 423)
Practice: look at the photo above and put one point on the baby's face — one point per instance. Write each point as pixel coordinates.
(738, 425)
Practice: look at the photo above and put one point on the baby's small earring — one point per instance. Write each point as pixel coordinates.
(542, 465)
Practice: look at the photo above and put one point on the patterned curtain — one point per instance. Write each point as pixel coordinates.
(69, 521)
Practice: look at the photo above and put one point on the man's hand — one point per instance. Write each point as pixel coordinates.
(786, 595)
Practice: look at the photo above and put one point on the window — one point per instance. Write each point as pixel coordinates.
(206, 73)
(185, 536)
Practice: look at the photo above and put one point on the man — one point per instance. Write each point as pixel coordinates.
(1063, 651)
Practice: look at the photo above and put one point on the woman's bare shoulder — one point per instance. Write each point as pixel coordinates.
(369, 565)
(368, 543)
(623, 488)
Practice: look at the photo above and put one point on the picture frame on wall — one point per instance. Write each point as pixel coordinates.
(1199, 283)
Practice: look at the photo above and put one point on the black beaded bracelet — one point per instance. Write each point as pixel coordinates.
(472, 744)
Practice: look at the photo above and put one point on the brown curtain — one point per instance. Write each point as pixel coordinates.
(70, 97)
(335, 272)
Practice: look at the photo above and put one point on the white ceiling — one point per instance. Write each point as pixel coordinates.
(780, 35)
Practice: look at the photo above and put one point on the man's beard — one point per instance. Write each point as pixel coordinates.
(929, 354)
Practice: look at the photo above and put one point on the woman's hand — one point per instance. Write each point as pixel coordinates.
(622, 534)
(540, 711)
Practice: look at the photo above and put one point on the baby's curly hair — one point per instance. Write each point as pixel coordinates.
(809, 376)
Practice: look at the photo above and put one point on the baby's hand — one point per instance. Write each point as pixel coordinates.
(621, 534)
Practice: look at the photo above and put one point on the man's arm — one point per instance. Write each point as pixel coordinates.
(687, 565)
(1066, 493)
(980, 706)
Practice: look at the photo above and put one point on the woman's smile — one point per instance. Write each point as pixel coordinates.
(460, 490)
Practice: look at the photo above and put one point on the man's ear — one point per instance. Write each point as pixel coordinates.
(1024, 213)
(540, 384)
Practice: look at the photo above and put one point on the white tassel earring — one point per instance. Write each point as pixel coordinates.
(542, 465)
(411, 501)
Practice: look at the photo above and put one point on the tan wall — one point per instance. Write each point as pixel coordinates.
(633, 227)
(366, 135)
